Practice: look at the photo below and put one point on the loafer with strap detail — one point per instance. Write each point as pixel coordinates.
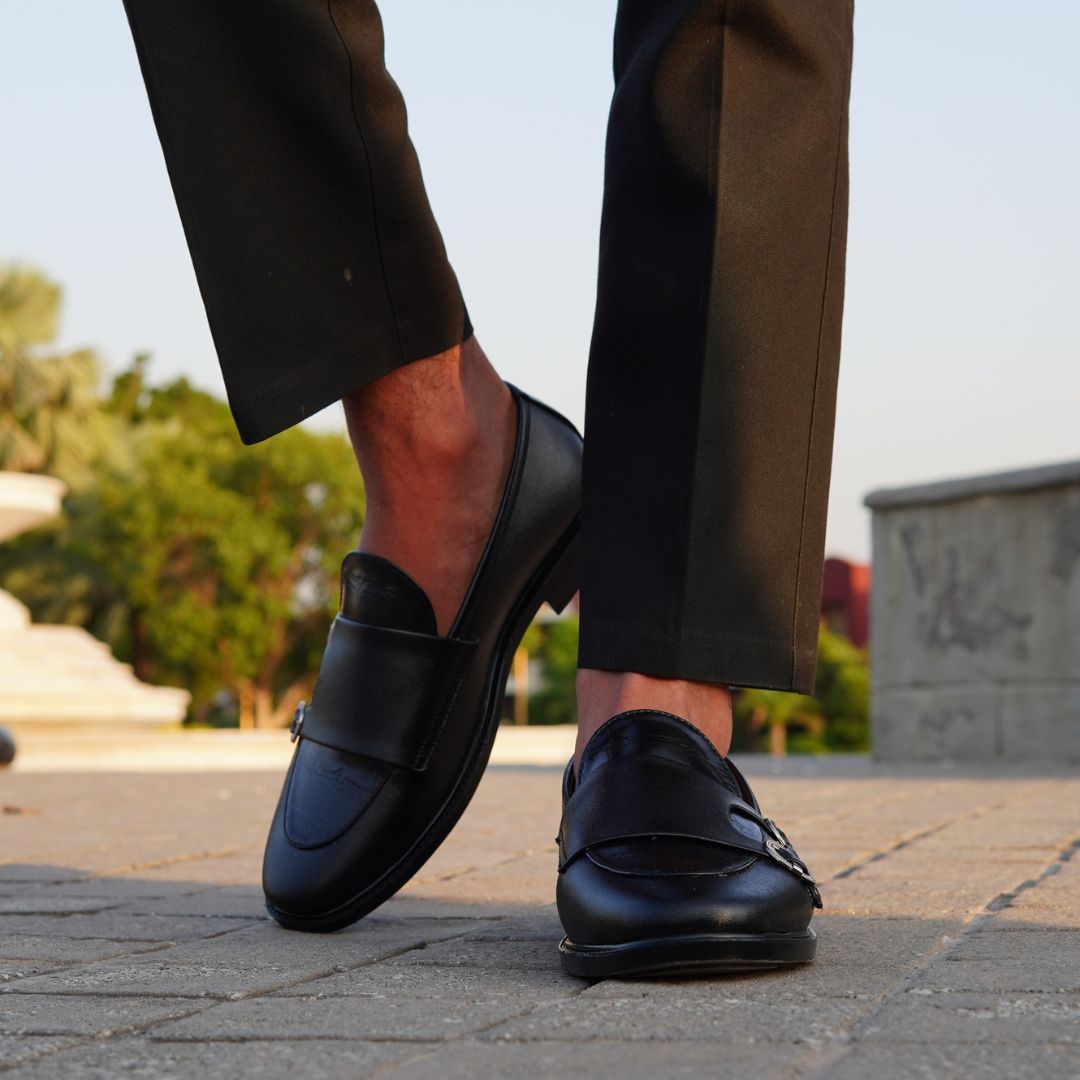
(667, 865)
(402, 720)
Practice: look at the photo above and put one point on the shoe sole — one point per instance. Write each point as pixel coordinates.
(697, 955)
(555, 582)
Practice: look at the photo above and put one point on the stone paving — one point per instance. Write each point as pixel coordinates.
(133, 941)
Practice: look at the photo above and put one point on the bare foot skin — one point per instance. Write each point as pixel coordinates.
(603, 694)
(434, 440)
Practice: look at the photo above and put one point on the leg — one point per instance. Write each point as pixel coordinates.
(717, 333)
(604, 694)
(291, 153)
(316, 251)
(709, 421)
(434, 440)
(325, 278)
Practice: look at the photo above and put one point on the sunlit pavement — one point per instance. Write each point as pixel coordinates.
(135, 749)
(133, 939)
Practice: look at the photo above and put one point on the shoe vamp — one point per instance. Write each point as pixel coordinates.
(668, 856)
(601, 907)
(328, 791)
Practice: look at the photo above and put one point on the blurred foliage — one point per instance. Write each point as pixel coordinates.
(51, 415)
(214, 566)
(555, 645)
(203, 563)
(835, 719)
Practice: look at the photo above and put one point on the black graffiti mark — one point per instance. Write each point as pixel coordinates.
(1066, 543)
(962, 617)
(909, 537)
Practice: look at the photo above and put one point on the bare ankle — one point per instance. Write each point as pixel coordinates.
(603, 694)
(437, 411)
(434, 440)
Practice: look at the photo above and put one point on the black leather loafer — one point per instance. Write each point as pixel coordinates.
(401, 722)
(667, 865)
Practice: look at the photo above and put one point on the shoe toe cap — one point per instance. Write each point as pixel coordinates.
(324, 839)
(601, 905)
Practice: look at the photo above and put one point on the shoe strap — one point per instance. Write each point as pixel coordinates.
(636, 797)
(383, 693)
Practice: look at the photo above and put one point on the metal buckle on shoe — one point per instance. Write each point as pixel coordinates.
(297, 721)
(793, 863)
(778, 841)
(778, 833)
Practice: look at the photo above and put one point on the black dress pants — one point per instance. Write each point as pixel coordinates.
(712, 372)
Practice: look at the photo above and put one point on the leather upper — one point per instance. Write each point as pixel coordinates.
(401, 717)
(661, 836)
(384, 693)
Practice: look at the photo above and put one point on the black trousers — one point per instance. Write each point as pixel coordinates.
(712, 372)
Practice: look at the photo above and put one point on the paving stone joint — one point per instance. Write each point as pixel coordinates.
(131, 946)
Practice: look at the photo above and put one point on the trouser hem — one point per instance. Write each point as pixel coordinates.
(261, 412)
(727, 659)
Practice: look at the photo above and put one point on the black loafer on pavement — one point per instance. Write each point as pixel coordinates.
(401, 723)
(666, 864)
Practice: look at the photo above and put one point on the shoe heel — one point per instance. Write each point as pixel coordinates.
(564, 580)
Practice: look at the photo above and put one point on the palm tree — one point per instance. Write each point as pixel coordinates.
(51, 419)
(777, 712)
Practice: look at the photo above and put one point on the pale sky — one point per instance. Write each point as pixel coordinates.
(961, 342)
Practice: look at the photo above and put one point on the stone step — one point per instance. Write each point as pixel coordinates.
(73, 653)
(52, 675)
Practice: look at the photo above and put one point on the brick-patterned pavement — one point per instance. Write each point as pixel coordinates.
(133, 940)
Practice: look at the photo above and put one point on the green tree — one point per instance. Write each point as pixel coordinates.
(51, 419)
(843, 688)
(768, 719)
(230, 554)
(555, 644)
(204, 563)
(835, 718)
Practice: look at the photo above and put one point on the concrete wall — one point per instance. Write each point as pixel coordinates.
(975, 618)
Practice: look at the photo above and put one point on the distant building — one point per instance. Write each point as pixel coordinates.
(845, 599)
